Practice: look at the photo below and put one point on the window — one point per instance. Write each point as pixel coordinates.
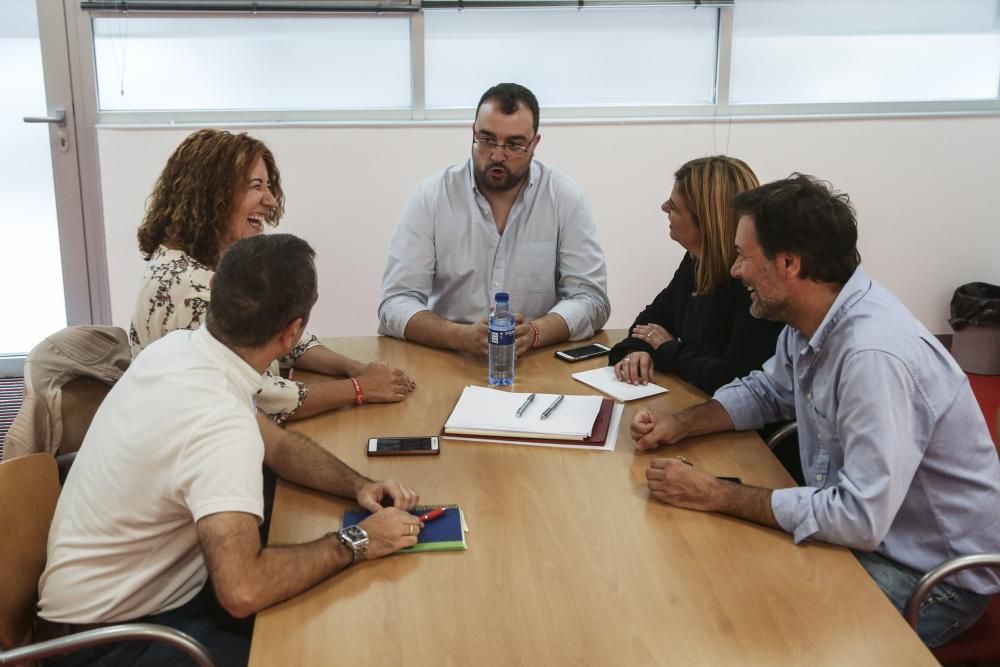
(239, 63)
(809, 51)
(597, 57)
(276, 61)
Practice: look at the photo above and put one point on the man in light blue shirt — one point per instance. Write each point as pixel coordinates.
(894, 448)
(498, 222)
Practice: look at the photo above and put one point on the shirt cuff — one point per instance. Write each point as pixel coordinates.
(740, 405)
(793, 511)
(307, 342)
(578, 317)
(395, 317)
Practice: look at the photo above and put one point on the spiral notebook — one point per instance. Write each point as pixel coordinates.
(446, 533)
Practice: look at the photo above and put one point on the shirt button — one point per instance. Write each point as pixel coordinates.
(809, 396)
(819, 478)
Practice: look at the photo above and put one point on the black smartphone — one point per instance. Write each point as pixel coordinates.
(583, 352)
(395, 446)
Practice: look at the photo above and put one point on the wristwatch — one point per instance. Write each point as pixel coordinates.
(356, 539)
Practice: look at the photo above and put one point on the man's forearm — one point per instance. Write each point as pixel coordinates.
(751, 503)
(248, 578)
(296, 458)
(702, 419)
(283, 571)
(429, 328)
(552, 329)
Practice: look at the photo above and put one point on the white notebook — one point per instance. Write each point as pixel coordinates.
(490, 411)
(603, 379)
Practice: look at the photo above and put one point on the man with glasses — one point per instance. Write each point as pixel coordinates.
(498, 222)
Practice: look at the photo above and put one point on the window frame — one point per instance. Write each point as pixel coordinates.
(419, 114)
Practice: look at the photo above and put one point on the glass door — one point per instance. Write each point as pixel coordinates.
(43, 254)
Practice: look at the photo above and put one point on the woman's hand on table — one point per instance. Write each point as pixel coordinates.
(653, 334)
(381, 383)
(635, 368)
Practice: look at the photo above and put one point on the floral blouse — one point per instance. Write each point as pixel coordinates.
(175, 295)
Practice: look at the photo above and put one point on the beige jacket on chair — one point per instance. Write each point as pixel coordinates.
(92, 358)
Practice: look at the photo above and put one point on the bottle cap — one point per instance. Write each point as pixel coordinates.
(502, 296)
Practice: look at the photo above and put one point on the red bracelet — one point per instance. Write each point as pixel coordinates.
(531, 324)
(359, 396)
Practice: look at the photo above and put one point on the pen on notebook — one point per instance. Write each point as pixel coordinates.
(555, 404)
(524, 406)
(433, 514)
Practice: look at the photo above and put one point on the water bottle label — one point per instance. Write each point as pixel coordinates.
(501, 337)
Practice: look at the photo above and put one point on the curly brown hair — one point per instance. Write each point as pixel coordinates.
(197, 193)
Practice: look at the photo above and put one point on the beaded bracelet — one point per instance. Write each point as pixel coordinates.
(534, 343)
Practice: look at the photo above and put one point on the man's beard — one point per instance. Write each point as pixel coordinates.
(509, 181)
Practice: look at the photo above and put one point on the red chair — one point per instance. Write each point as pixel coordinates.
(981, 642)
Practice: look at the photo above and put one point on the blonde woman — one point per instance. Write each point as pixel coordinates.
(700, 326)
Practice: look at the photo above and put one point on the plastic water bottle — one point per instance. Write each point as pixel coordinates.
(501, 335)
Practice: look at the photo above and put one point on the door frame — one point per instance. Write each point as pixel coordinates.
(64, 37)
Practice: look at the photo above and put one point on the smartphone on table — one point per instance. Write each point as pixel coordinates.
(403, 445)
(583, 352)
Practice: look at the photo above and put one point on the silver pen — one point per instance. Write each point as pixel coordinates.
(524, 406)
(555, 404)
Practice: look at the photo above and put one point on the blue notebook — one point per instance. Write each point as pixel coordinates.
(445, 533)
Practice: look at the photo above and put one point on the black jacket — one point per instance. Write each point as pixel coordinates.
(716, 337)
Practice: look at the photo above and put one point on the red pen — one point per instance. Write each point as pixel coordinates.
(433, 514)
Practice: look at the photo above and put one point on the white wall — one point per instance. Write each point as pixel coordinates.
(924, 188)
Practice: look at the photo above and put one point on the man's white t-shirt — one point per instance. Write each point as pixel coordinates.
(175, 440)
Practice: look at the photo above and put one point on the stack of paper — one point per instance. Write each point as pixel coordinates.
(603, 379)
(482, 411)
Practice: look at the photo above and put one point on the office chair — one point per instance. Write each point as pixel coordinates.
(29, 489)
(981, 642)
(66, 377)
(781, 434)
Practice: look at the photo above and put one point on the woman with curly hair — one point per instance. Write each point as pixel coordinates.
(700, 326)
(217, 188)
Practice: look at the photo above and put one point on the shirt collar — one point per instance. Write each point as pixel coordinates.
(232, 364)
(853, 291)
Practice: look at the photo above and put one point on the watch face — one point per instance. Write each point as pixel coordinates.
(354, 533)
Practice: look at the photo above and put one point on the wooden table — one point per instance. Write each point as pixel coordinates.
(569, 561)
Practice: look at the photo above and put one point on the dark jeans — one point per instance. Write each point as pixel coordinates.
(945, 613)
(226, 638)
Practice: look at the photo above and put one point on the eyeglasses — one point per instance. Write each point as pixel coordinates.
(487, 146)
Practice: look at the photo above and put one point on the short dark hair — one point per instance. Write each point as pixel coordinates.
(262, 284)
(508, 96)
(805, 216)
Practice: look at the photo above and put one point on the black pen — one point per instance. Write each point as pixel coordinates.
(524, 406)
(734, 480)
(555, 404)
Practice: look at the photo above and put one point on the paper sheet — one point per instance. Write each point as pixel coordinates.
(603, 379)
